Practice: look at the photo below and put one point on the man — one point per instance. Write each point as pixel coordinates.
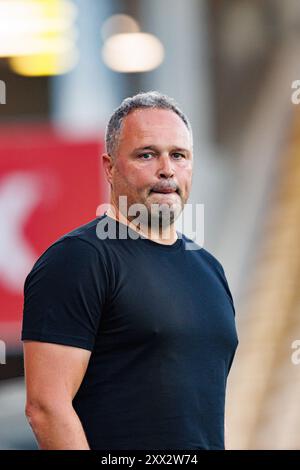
(128, 340)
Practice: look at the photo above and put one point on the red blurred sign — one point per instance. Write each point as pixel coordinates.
(48, 186)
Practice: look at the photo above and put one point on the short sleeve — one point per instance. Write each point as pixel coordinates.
(222, 276)
(65, 294)
(228, 289)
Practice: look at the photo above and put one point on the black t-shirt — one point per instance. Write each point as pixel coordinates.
(159, 320)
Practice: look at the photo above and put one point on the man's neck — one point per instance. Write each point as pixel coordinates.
(164, 237)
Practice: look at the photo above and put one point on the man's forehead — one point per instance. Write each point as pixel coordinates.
(153, 116)
(146, 124)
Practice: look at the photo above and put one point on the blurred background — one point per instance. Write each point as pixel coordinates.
(64, 66)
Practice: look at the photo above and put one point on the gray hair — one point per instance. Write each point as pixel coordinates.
(150, 99)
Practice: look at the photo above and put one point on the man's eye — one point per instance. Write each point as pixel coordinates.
(144, 156)
(178, 156)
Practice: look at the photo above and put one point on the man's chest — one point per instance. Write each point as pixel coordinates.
(168, 302)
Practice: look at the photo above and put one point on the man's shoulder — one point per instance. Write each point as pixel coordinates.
(73, 247)
(86, 233)
(212, 260)
(203, 253)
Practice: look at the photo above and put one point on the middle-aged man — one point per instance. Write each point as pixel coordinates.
(128, 340)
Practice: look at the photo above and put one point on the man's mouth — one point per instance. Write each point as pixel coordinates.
(165, 191)
(163, 188)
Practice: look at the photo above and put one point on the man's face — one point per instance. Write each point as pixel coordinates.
(153, 162)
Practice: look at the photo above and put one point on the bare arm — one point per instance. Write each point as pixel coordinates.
(53, 374)
(227, 446)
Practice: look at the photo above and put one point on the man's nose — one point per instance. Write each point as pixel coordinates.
(165, 166)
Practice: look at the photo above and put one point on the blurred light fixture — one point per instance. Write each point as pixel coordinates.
(117, 24)
(44, 64)
(133, 52)
(18, 17)
(37, 45)
(40, 31)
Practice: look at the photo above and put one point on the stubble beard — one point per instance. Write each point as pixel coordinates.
(154, 217)
(160, 217)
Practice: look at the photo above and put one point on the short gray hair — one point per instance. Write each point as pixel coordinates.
(150, 99)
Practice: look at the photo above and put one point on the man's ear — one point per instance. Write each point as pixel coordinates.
(108, 164)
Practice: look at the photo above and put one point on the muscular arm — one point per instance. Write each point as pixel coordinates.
(53, 374)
